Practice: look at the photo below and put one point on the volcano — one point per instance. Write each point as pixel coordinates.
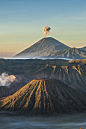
(43, 48)
(44, 97)
(73, 75)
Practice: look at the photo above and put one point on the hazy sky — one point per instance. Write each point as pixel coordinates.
(22, 22)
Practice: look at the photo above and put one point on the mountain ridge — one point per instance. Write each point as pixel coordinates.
(72, 53)
(72, 75)
(83, 48)
(44, 97)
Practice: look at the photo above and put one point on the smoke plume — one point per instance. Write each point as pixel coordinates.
(46, 30)
(6, 80)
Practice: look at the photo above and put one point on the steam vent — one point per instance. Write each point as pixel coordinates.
(44, 97)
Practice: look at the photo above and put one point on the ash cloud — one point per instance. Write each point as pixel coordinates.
(6, 80)
(46, 30)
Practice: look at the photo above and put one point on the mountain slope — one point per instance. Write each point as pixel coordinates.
(73, 75)
(72, 53)
(42, 48)
(46, 97)
(18, 83)
(51, 48)
(83, 48)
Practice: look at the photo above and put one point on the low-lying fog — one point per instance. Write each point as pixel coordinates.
(60, 122)
(42, 58)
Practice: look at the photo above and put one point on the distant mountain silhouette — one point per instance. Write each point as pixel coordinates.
(45, 97)
(72, 53)
(42, 48)
(83, 48)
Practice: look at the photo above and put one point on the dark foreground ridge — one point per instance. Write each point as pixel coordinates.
(44, 97)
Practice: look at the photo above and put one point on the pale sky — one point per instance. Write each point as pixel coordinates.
(22, 22)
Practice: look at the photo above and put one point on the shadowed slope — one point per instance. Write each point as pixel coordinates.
(46, 97)
(73, 75)
(77, 62)
(83, 48)
(72, 53)
(52, 48)
(18, 83)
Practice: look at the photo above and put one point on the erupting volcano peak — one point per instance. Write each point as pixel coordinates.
(42, 48)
